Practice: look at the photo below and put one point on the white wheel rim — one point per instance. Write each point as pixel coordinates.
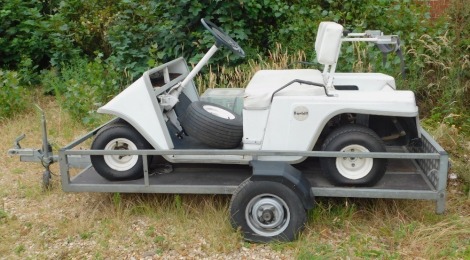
(219, 112)
(267, 215)
(121, 162)
(354, 168)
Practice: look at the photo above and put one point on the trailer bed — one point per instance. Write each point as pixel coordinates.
(402, 175)
(418, 172)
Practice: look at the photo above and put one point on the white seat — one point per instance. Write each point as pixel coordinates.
(328, 42)
(327, 47)
(260, 90)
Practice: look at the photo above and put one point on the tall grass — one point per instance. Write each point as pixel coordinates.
(239, 76)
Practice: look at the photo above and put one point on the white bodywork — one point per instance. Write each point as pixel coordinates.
(290, 119)
(298, 113)
(138, 103)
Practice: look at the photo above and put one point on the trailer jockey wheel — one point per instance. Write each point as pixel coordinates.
(213, 125)
(353, 171)
(46, 180)
(267, 211)
(119, 136)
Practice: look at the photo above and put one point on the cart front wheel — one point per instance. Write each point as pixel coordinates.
(267, 211)
(119, 167)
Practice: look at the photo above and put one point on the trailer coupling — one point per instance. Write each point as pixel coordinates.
(44, 155)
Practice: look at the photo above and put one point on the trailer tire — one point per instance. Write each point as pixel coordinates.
(267, 211)
(213, 125)
(119, 136)
(351, 171)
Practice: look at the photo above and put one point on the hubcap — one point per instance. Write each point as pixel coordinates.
(267, 215)
(351, 167)
(121, 162)
(219, 112)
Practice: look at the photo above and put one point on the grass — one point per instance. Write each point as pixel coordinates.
(239, 76)
(54, 224)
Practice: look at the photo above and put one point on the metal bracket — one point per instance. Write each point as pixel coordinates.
(18, 140)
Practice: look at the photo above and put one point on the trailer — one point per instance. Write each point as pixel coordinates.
(417, 171)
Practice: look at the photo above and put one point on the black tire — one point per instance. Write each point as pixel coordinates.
(350, 171)
(210, 128)
(114, 168)
(283, 221)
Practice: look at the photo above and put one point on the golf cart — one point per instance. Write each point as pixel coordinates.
(285, 110)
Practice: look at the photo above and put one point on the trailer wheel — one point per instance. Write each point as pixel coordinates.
(119, 136)
(213, 125)
(267, 211)
(352, 170)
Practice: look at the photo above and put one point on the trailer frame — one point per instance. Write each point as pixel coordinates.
(417, 171)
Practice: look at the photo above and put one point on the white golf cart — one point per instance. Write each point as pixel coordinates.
(285, 110)
(363, 133)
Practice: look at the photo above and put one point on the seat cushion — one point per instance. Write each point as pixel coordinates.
(260, 90)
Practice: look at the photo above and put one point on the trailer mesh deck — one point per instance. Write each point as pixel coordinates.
(418, 172)
(208, 179)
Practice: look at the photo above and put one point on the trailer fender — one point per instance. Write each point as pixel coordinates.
(287, 175)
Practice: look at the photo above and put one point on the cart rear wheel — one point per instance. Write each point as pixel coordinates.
(353, 170)
(119, 136)
(267, 211)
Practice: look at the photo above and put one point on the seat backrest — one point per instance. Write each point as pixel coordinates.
(328, 42)
(320, 32)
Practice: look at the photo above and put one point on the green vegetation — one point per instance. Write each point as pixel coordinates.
(82, 86)
(12, 99)
(85, 52)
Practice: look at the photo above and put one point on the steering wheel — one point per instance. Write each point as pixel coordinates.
(222, 38)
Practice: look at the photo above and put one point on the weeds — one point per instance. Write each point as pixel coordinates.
(12, 100)
(82, 86)
(3, 214)
(453, 141)
(239, 76)
(381, 229)
(20, 249)
(441, 79)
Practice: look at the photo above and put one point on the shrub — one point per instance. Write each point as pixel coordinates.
(133, 35)
(12, 96)
(127, 32)
(174, 29)
(440, 69)
(82, 86)
(408, 19)
(21, 32)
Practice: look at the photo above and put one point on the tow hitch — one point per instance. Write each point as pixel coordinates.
(44, 155)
